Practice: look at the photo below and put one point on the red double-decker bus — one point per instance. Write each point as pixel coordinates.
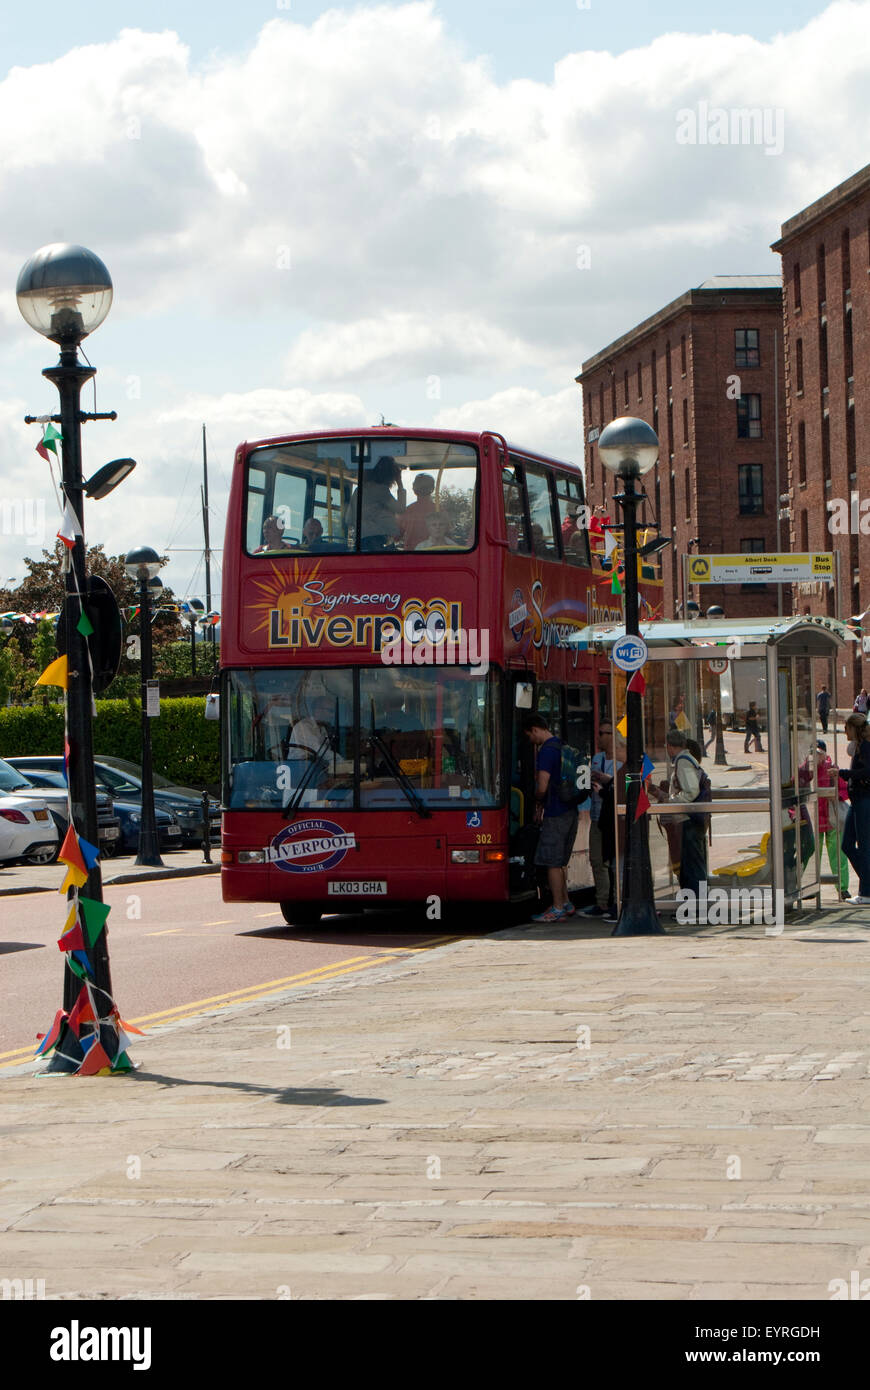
(394, 601)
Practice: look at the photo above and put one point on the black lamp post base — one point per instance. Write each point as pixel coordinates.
(638, 919)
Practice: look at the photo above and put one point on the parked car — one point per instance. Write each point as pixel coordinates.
(126, 818)
(53, 794)
(27, 830)
(123, 781)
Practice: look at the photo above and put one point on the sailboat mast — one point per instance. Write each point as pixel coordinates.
(205, 524)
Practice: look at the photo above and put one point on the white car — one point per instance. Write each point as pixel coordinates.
(27, 830)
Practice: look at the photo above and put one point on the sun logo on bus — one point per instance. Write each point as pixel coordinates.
(284, 591)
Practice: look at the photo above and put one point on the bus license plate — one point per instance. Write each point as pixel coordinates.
(358, 887)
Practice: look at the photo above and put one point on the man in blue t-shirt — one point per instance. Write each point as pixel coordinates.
(558, 822)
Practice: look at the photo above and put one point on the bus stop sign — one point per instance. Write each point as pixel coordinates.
(630, 653)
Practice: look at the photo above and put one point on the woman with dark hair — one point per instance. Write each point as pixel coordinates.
(856, 832)
(379, 522)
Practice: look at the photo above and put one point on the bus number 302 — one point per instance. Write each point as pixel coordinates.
(483, 839)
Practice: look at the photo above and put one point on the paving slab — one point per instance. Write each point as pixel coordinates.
(436, 1132)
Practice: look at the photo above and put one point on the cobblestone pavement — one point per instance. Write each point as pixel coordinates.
(547, 1113)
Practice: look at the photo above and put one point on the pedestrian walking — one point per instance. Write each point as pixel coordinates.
(558, 822)
(711, 725)
(753, 729)
(856, 833)
(823, 705)
(602, 771)
(861, 702)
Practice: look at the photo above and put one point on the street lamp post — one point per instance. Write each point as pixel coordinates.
(629, 448)
(142, 565)
(65, 292)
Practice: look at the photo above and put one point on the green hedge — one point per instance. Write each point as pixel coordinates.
(185, 745)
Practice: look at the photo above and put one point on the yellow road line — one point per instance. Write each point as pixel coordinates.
(251, 992)
(224, 922)
(170, 931)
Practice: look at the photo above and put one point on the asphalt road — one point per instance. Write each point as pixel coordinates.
(177, 948)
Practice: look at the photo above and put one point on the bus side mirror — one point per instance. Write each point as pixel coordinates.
(212, 706)
(525, 695)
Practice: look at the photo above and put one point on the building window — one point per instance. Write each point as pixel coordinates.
(851, 457)
(668, 364)
(670, 429)
(799, 364)
(683, 354)
(625, 386)
(612, 394)
(655, 383)
(749, 417)
(846, 257)
(848, 358)
(746, 351)
(639, 383)
(687, 483)
(823, 356)
(802, 453)
(750, 489)
(826, 450)
(752, 545)
(590, 481)
(820, 275)
(685, 422)
(601, 404)
(796, 285)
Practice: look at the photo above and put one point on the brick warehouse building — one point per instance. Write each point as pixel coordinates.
(826, 306)
(707, 373)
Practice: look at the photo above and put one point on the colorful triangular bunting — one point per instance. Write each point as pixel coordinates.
(95, 914)
(56, 674)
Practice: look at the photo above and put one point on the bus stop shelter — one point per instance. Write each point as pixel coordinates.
(764, 823)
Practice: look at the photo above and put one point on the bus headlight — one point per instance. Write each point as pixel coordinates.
(465, 856)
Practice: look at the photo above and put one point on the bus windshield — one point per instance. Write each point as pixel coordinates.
(428, 736)
(341, 496)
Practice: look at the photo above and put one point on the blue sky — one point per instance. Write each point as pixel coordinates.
(432, 212)
(522, 39)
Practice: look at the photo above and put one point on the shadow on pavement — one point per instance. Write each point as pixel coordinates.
(290, 1095)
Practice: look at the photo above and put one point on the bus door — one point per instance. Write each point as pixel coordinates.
(522, 833)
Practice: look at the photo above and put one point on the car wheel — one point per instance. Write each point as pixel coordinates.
(47, 855)
(300, 914)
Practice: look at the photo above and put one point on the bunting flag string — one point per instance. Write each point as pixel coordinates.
(91, 1039)
(637, 684)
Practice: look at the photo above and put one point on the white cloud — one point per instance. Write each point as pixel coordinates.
(356, 201)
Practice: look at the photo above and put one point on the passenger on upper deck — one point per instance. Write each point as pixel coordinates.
(412, 525)
(312, 535)
(273, 536)
(379, 523)
(437, 527)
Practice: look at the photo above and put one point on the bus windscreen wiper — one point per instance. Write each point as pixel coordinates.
(308, 774)
(396, 772)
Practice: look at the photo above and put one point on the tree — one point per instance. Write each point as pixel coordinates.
(43, 591)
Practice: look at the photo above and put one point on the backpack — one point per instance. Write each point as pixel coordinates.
(705, 792)
(569, 793)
